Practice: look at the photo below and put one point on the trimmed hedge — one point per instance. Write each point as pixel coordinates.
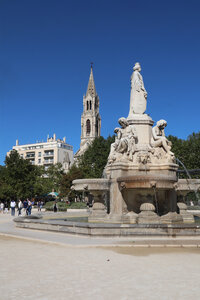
(195, 207)
(63, 206)
(77, 205)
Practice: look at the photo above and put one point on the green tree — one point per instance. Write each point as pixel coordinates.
(17, 177)
(187, 151)
(42, 184)
(93, 161)
(90, 165)
(66, 182)
(54, 175)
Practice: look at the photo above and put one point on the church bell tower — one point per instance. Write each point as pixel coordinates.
(90, 119)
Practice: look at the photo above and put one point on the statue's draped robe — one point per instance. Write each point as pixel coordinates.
(138, 100)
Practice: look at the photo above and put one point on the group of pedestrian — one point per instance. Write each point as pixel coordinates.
(21, 206)
(26, 205)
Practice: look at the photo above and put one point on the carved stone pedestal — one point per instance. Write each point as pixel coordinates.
(130, 218)
(171, 218)
(187, 217)
(98, 212)
(147, 214)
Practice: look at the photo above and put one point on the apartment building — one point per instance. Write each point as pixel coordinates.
(47, 153)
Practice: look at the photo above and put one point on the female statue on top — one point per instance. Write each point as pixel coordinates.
(138, 97)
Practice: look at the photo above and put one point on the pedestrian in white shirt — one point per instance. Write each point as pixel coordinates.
(20, 206)
(12, 205)
(1, 207)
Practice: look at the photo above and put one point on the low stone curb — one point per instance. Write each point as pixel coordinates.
(110, 230)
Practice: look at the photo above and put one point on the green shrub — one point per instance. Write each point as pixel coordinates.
(63, 206)
(78, 205)
(195, 207)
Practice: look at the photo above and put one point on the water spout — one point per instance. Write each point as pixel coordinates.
(184, 167)
(155, 196)
(188, 174)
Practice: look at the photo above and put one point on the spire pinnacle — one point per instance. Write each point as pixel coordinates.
(91, 90)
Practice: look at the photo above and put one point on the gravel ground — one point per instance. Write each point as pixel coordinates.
(35, 270)
(56, 266)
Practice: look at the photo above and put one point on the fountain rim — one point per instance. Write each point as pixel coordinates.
(91, 180)
(147, 178)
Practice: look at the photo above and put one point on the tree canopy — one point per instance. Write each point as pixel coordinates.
(187, 151)
(89, 165)
(17, 177)
(93, 161)
(20, 179)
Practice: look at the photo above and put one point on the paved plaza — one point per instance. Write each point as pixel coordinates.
(46, 265)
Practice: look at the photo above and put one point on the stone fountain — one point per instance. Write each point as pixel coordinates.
(141, 169)
(140, 185)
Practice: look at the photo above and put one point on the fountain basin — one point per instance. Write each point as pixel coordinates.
(97, 187)
(94, 184)
(147, 182)
(147, 233)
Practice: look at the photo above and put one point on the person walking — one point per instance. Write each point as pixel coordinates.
(12, 205)
(6, 207)
(20, 206)
(39, 206)
(1, 207)
(29, 207)
(25, 203)
(55, 207)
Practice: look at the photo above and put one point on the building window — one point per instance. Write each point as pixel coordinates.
(39, 154)
(97, 127)
(87, 105)
(90, 105)
(50, 152)
(30, 154)
(39, 161)
(88, 127)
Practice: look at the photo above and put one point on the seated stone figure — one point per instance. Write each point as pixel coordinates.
(114, 145)
(124, 141)
(159, 139)
(132, 138)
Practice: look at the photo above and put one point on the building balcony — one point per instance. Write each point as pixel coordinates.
(48, 154)
(48, 162)
(30, 157)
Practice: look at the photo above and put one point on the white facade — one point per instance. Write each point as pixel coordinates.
(47, 153)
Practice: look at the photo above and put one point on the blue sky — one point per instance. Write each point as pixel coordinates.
(46, 47)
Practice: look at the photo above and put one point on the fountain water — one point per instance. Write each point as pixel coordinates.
(188, 174)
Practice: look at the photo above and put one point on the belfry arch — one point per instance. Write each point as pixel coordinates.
(88, 126)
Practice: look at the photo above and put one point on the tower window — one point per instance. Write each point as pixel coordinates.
(88, 127)
(97, 128)
(90, 104)
(87, 105)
